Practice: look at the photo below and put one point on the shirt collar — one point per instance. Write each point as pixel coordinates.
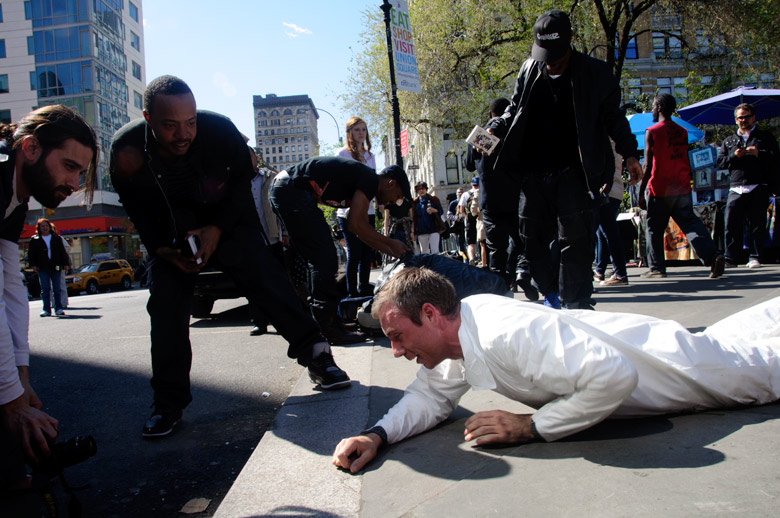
(476, 370)
(745, 135)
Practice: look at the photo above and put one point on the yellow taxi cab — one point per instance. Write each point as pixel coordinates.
(99, 276)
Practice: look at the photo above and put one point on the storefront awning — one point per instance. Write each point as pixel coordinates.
(98, 225)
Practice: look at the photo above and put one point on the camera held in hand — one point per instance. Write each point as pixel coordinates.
(63, 455)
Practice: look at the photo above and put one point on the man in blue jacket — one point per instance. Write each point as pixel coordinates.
(556, 142)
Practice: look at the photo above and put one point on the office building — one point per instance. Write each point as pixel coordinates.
(285, 129)
(89, 55)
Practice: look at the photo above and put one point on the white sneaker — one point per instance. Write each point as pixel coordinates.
(60, 313)
(753, 263)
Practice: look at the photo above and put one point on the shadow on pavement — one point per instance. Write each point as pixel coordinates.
(130, 476)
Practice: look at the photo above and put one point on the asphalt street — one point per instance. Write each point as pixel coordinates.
(92, 368)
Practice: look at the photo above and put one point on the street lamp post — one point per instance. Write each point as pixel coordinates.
(338, 131)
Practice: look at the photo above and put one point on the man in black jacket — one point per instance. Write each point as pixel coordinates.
(556, 142)
(48, 258)
(751, 155)
(181, 172)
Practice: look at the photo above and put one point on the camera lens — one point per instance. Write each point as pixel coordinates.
(75, 450)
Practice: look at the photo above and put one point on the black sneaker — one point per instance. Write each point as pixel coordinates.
(529, 290)
(161, 423)
(324, 372)
(718, 265)
(258, 331)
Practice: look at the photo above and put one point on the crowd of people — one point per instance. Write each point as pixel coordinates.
(188, 180)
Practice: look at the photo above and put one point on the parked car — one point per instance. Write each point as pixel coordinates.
(99, 276)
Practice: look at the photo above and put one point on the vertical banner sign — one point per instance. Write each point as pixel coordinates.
(403, 48)
(404, 143)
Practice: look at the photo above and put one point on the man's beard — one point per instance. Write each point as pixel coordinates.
(41, 184)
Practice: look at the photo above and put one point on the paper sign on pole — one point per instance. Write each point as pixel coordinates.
(405, 61)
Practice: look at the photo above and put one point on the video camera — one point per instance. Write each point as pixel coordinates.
(63, 455)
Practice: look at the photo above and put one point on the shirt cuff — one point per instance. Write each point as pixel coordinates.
(379, 431)
(535, 432)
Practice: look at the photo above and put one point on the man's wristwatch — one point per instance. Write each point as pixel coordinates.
(379, 431)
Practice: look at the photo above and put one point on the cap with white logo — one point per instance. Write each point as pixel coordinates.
(552, 35)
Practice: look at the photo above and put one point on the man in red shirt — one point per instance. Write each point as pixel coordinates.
(668, 182)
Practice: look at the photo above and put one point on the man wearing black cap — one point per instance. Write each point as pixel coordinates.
(556, 141)
(338, 182)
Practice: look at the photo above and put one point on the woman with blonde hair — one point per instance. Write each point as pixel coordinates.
(359, 254)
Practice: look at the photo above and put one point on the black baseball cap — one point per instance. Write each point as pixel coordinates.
(552, 34)
(397, 173)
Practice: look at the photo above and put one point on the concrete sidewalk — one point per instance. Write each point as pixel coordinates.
(714, 463)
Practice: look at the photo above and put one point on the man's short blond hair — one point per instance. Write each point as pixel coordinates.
(412, 287)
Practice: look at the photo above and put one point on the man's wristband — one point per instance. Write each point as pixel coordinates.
(535, 433)
(379, 431)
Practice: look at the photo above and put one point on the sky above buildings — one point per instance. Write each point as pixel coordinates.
(230, 50)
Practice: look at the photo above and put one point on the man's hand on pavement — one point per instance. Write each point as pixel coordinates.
(634, 171)
(498, 427)
(355, 452)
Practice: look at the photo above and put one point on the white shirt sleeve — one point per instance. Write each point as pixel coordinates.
(429, 400)
(14, 318)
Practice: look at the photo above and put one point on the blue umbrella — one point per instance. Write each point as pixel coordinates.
(639, 122)
(720, 109)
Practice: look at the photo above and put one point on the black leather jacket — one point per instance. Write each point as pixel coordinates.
(598, 117)
(221, 193)
(749, 169)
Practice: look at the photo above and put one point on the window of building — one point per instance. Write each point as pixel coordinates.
(3, 83)
(5, 116)
(135, 41)
(30, 46)
(45, 13)
(274, 113)
(138, 100)
(66, 43)
(1, 13)
(680, 91)
(451, 164)
(286, 149)
(28, 10)
(305, 138)
(634, 88)
(263, 122)
(667, 45)
(663, 85)
(2, 48)
(306, 156)
(305, 147)
(133, 11)
(288, 111)
(65, 79)
(136, 70)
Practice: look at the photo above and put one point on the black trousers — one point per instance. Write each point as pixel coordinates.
(557, 206)
(243, 255)
(502, 229)
(747, 208)
(311, 236)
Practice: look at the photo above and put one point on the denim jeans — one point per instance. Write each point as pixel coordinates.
(609, 242)
(359, 257)
(679, 208)
(747, 208)
(50, 283)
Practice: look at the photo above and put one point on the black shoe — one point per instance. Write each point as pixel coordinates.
(530, 291)
(338, 336)
(324, 372)
(161, 423)
(718, 265)
(257, 331)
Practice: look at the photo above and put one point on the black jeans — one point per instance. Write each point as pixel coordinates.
(679, 208)
(751, 208)
(553, 206)
(502, 230)
(311, 236)
(243, 255)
